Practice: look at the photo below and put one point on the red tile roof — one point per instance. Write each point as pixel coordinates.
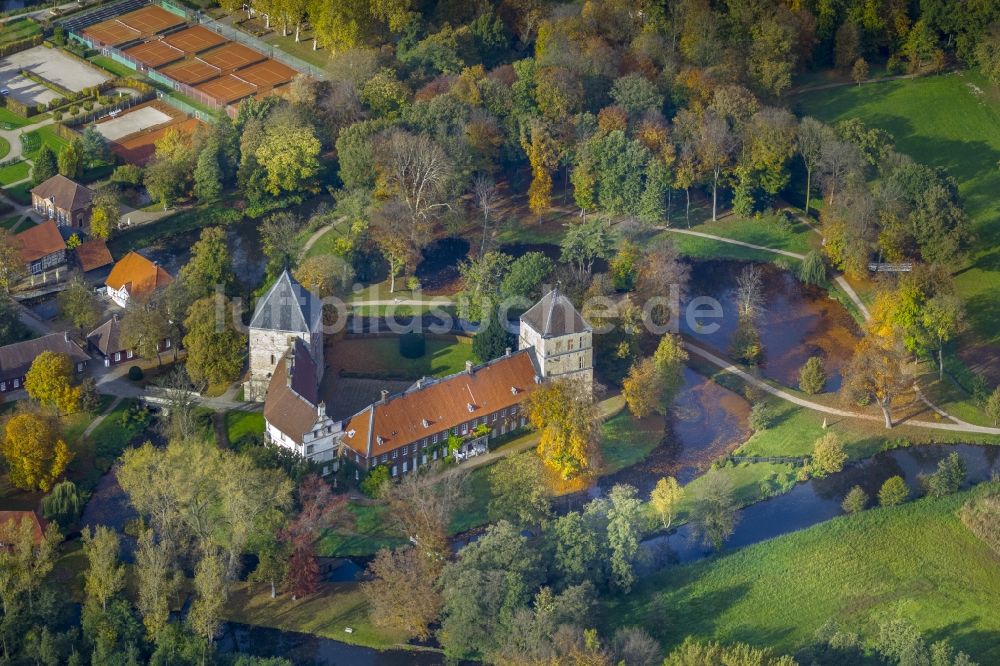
(40, 241)
(93, 254)
(16, 517)
(141, 275)
(292, 402)
(441, 405)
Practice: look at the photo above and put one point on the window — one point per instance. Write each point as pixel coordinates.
(128, 354)
(394, 470)
(434, 439)
(118, 356)
(405, 465)
(272, 359)
(423, 444)
(385, 457)
(309, 450)
(513, 410)
(406, 450)
(357, 458)
(503, 413)
(495, 417)
(167, 343)
(395, 454)
(465, 428)
(569, 345)
(17, 383)
(580, 363)
(3, 386)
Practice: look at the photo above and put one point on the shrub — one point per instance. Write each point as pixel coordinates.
(855, 501)
(813, 270)
(375, 481)
(948, 478)
(828, 454)
(412, 345)
(761, 417)
(893, 492)
(812, 376)
(88, 105)
(981, 515)
(57, 115)
(73, 110)
(135, 373)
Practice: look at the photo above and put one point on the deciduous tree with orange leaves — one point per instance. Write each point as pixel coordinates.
(567, 419)
(35, 453)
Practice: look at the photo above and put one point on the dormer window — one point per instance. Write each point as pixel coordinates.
(471, 407)
(425, 423)
(351, 433)
(513, 390)
(380, 440)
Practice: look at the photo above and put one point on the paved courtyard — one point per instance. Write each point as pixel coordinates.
(52, 65)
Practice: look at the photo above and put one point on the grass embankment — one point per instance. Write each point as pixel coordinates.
(916, 559)
(239, 424)
(950, 121)
(113, 66)
(14, 172)
(13, 120)
(327, 613)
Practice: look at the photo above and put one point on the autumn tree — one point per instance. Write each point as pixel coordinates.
(653, 383)
(828, 455)
(855, 501)
(35, 453)
(421, 506)
(49, 381)
(319, 509)
(543, 156)
(402, 592)
(289, 154)
(519, 492)
(211, 587)
(893, 492)
(157, 582)
(12, 267)
(24, 566)
(664, 498)
(215, 347)
(812, 136)
(104, 213)
(70, 161)
(713, 508)
(210, 266)
(78, 304)
(105, 575)
(715, 144)
(876, 372)
(567, 419)
(144, 327)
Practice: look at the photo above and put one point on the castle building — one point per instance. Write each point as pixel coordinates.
(287, 312)
(417, 426)
(562, 339)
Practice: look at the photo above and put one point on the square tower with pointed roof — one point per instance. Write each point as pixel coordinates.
(562, 339)
(287, 312)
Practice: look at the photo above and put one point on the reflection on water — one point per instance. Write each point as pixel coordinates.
(800, 321)
(819, 499)
(309, 650)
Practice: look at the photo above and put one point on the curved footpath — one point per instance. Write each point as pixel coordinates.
(801, 402)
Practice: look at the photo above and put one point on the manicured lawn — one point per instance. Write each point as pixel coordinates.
(706, 248)
(113, 434)
(372, 531)
(11, 221)
(113, 66)
(380, 358)
(950, 121)
(4, 147)
(240, 424)
(795, 237)
(626, 440)
(18, 29)
(916, 559)
(13, 119)
(327, 613)
(15, 172)
(33, 140)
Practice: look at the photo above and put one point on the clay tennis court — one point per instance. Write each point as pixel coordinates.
(154, 53)
(111, 33)
(191, 72)
(194, 39)
(267, 74)
(150, 20)
(227, 89)
(231, 56)
(141, 148)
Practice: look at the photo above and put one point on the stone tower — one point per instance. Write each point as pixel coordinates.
(562, 339)
(288, 311)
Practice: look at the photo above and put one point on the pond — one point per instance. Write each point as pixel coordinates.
(819, 500)
(308, 650)
(438, 267)
(799, 321)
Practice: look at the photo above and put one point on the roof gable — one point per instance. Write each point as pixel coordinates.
(287, 306)
(106, 336)
(438, 405)
(140, 275)
(93, 254)
(554, 315)
(15, 359)
(40, 241)
(292, 401)
(64, 193)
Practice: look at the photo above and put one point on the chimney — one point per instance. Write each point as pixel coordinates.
(468, 367)
(385, 396)
(507, 352)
